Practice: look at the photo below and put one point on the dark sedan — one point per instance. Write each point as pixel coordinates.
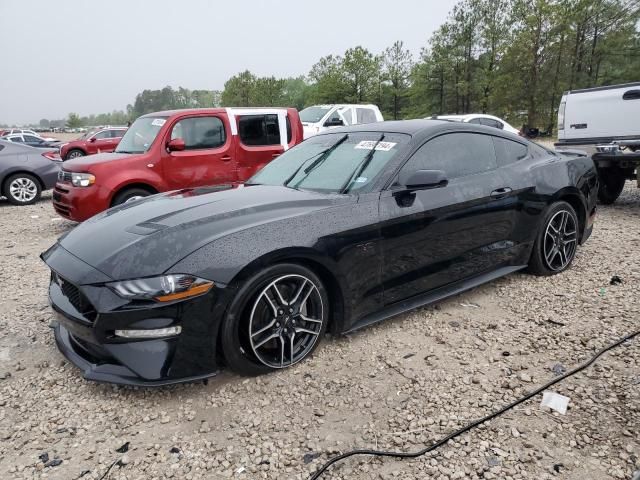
(349, 228)
(26, 171)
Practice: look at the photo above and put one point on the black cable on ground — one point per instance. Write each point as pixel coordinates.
(491, 416)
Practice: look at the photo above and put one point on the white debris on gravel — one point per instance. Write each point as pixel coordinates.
(399, 385)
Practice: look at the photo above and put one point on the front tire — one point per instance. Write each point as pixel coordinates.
(22, 189)
(557, 241)
(75, 153)
(130, 195)
(276, 320)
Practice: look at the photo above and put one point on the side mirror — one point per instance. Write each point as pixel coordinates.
(92, 139)
(334, 122)
(425, 179)
(176, 145)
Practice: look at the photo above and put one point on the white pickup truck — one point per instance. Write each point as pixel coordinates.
(604, 122)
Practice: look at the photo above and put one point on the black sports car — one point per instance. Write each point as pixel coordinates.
(348, 228)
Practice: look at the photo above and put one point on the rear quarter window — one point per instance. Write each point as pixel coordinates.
(509, 152)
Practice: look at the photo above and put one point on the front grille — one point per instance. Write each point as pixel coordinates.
(75, 297)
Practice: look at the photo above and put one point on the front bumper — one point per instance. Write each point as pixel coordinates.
(79, 203)
(99, 370)
(88, 313)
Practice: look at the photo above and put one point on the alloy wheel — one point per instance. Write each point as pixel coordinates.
(23, 189)
(560, 240)
(133, 198)
(286, 321)
(74, 154)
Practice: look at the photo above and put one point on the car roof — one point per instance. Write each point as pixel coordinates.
(410, 127)
(331, 105)
(421, 128)
(18, 146)
(182, 111)
(465, 116)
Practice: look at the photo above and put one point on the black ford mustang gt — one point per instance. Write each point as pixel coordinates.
(346, 229)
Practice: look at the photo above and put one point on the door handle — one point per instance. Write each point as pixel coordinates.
(225, 158)
(501, 192)
(275, 155)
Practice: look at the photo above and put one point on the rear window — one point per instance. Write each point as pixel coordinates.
(490, 122)
(257, 130)
(365, 115)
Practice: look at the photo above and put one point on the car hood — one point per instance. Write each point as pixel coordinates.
(147, 237)
(82, 164)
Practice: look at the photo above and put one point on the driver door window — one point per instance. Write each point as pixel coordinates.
(347, 115)
(334, 119)
(200, 132)
(456, 154)
(102, 135)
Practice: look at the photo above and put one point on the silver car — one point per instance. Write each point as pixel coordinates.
(26, 171)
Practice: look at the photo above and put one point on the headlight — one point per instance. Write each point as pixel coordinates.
(162, 289)
(82, 179)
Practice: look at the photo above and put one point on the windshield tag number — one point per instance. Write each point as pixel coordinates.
(158, 122)
(369, 144)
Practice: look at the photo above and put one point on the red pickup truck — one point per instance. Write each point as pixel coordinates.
(176, 149)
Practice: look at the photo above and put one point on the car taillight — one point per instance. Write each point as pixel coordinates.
(53, 156)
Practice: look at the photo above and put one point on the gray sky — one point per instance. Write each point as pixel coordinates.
(61, 56)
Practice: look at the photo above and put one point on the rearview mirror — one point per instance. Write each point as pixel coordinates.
(92, 139)
(424, 179)
(176, 145)
(334, 122)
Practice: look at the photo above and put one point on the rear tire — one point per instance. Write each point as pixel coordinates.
(130, 195)
(611, 186)
(269, 328)
(22, 189)
(557, 241)
(75, 153)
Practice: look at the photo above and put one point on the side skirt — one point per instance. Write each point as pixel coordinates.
(432, 297)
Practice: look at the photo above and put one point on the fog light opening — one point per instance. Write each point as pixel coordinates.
(149, 333)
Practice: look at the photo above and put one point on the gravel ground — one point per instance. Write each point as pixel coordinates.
(398, 385)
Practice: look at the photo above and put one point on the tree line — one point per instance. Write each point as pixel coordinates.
(511, 58)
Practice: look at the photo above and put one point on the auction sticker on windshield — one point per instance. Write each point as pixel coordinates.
(369, 144)
(158, 122)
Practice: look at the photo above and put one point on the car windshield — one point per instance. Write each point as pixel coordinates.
(332, 163)
(313, 114)
(140, 135)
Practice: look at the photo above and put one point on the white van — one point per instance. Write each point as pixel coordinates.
(318, 118)
(593, 116)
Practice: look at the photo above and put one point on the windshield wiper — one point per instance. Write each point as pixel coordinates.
(323, 155)
(361, 167)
